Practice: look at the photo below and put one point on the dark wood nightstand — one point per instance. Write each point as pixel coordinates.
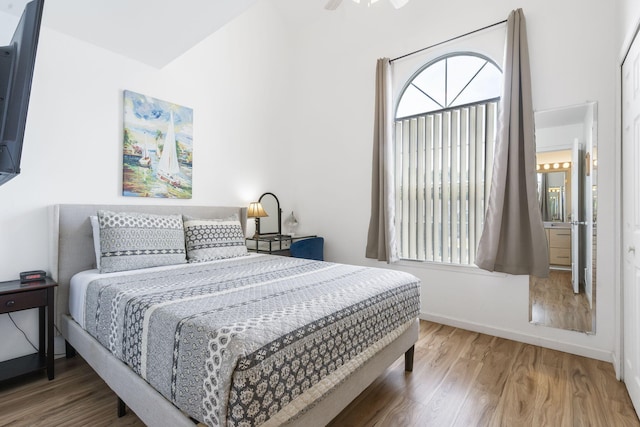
(16, 296)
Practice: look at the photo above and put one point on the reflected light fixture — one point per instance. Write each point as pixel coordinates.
(548, 166)
(255, 210)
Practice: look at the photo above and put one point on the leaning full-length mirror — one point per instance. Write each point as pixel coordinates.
(566, 156)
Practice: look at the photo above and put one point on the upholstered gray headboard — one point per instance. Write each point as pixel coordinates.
(73, 238)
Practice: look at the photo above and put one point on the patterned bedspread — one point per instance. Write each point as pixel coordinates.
(252, 340)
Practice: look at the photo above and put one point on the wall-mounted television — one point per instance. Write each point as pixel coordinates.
(17, 61)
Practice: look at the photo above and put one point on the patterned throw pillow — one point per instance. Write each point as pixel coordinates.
(130, 241)
(209, 239)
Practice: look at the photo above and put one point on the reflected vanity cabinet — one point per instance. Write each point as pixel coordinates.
(559, 240)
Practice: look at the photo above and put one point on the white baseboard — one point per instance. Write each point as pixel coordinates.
(59, 348)
(553, 344)
(617, 366)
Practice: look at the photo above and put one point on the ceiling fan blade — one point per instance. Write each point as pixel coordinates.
(398, 3)
(332, 4)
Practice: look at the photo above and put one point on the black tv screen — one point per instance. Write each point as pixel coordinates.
(17, 61)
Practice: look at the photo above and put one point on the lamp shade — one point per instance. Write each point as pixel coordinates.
(255, 210)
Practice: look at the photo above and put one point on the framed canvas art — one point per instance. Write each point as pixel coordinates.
(157, 148)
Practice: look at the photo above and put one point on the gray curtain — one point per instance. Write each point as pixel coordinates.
(513, 239)
(381, 239)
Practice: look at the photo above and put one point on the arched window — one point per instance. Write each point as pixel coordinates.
(445, 126)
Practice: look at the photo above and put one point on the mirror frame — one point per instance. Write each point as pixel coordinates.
(587, 162)
(265, 229)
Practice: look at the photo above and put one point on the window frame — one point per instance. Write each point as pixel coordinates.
(433, 61)
(441, 264)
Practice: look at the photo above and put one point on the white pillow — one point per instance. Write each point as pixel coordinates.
(95, 227)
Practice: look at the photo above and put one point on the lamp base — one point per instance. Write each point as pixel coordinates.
(256, 235)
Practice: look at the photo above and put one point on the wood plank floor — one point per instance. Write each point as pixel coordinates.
(552, 303)
(460, 378)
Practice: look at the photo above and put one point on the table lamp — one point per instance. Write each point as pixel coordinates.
(255, 210)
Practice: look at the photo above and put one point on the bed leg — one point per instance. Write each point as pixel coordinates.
(69, 350)
(122, 408)
(408, 359)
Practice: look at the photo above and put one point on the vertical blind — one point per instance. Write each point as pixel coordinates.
(444, 161)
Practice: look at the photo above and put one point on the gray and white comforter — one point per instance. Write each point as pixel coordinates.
(251, 340)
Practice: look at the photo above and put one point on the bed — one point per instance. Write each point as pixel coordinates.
(156, 384)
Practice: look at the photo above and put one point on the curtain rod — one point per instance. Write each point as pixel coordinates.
(447, 41)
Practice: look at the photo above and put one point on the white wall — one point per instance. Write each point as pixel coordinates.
(309, 96)
(73, 145)
(629, 17)
(572, 51)
(559, 137)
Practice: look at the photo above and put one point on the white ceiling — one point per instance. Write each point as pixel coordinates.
(154, 32)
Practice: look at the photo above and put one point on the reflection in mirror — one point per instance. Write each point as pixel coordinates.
(567, 164)
(553, 195)
(271, 223)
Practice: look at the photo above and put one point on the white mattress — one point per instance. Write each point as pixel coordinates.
(79, 282)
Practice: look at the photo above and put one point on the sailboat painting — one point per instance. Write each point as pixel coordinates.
(157, 148)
